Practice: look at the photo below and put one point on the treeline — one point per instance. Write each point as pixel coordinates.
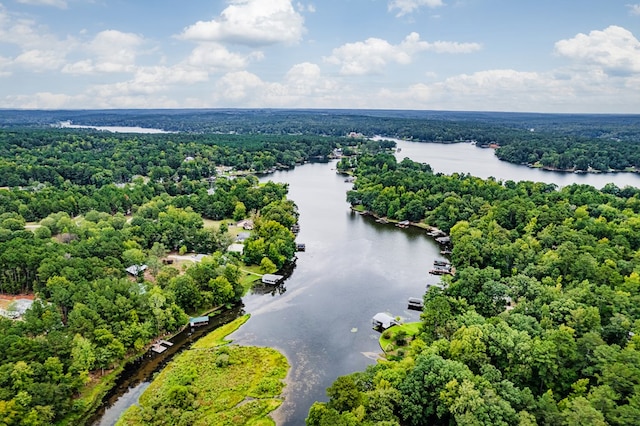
(286, 137)
(89, 314)
(538, 326)
(85, 157)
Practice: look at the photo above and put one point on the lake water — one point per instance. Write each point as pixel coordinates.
(353, 268)
(482, 162)
(113, 129)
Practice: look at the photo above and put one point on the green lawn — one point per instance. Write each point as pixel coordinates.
(388, 337)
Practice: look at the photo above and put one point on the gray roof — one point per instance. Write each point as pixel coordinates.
(136, 269)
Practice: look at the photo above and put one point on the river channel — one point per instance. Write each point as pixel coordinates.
(353, 268)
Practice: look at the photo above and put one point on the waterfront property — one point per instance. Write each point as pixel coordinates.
(382, 321)
(198, 321)
(271, 279)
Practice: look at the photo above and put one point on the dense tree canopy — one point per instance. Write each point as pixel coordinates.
(539, 325)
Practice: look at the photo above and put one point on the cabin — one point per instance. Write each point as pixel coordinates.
(382, 321)
(415, 303)
(271, 279)
(242, 237)
(198, 321)
(245, 224)
(236, 248)
(134, 270)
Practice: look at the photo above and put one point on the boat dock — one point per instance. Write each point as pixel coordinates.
(441, 267)
(161, 346)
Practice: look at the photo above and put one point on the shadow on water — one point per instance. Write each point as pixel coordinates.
(137, 374)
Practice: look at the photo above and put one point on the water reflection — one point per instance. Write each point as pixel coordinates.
(353, 268)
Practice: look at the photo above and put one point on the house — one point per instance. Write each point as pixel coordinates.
(198, 321)
(382, 321)
(136, 269)
(271, 278)
(242, 236)
(236, 248)
(246, 224)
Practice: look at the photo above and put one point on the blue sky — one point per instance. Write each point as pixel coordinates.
(475, 55)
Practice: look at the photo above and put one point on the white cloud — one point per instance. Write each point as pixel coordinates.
(214, 56)
(39, 60)
(409, 6)
(61, 4)
(306, 7)
(371, 55)
(511, 90)
(251, 23)
(113, 51)
(615, 49)
(150, 81)
(38, 50)
(634, 9)
(303, 85)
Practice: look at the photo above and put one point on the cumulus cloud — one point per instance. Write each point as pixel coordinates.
(39, 60)
(61, 4)
(151, 81)
(251, 23)
(634, 9)
(615, 49)
(303, 85)
(371, 55)
(214, 56)
(409, 6)
(35, 48)
(113, 51)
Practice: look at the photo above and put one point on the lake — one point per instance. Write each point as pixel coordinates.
(353, 268)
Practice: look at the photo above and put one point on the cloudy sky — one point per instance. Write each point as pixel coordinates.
(491, 55)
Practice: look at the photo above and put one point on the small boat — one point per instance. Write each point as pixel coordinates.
(441, 263)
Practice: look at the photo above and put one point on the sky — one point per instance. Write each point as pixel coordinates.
(566, 56)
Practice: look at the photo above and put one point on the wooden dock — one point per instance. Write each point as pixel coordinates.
(160, 346)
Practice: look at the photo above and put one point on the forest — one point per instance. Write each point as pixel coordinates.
(572, 142)
(79, 206)
(538, 326)
(68, 237)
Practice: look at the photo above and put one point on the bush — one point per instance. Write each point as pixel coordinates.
(222, 360)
